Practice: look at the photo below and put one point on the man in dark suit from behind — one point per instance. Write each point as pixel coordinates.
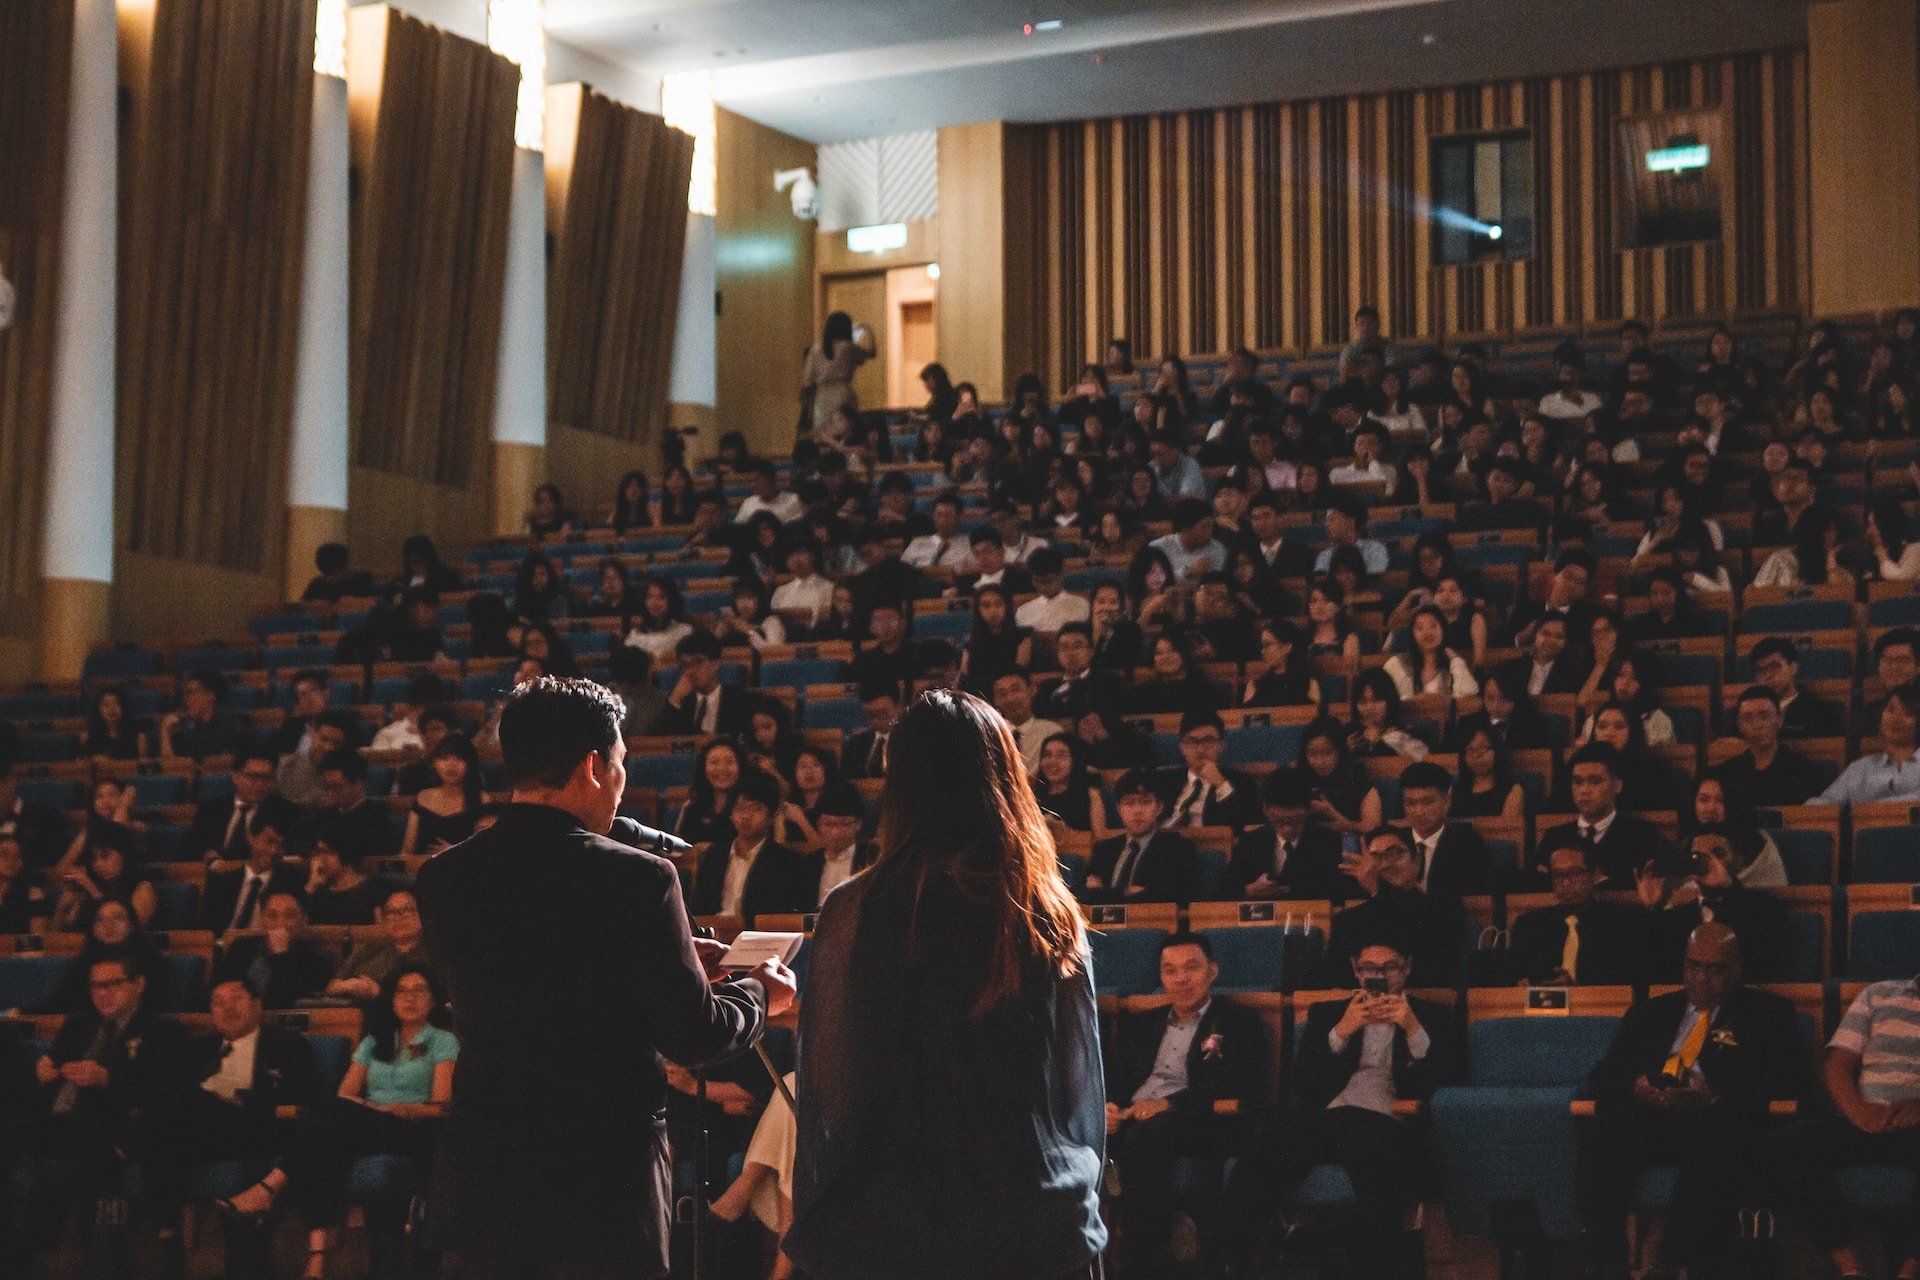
(219, 827)
(1622, 844)
(235, 899)
(538, 1178)
(1354, 1058)
(699, 704)
(1453, 859)
(1202, 793)
(1578, 940)
(1687, 1082)
(754, 874)
(223, 1106)
(1143, 863)
(1166, 1069)
(1291, 856)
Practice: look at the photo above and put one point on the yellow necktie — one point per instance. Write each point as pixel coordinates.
(1682, 1062)
(1570, 949)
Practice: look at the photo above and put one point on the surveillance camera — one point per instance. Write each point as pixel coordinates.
(805, 194)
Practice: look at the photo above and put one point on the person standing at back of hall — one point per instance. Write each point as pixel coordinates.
(831, 364)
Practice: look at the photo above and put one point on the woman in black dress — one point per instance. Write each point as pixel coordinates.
(716, 776)
(1285, 682)
(1066, 788)
(1344, 798)
(1485, 787)
(996, 645)
(112, 733)
(446, 813)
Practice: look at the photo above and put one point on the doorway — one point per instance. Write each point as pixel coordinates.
(901, 307)
(864, 297)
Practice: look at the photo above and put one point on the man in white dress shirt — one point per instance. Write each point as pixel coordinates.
(1013, 698)
(1052, 607)
(946, 545)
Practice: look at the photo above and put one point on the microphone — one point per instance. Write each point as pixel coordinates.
(632, 834)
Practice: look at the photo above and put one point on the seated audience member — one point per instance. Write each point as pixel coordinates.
(843, 854)
(1891, 773)
(946, 547)
(1896, 661)
(1052, 606)
(1452, 858)
(357, 827)
(1767, 767)
(894, 657)
(1870, 1078)
(1344, 797)
(1647, 781)
(1622, 844)
(112, 733)
(390, 1103)
(753, 875)
(298, 775)
(1013, 699)
(660, 624)
(449, 811)
(806, 598)
(1292, 856)
(1191, 550)
(1079, 684)
(1507, 713)
(1176, 474)
(1379, 720)
(1386, 879)
(767, 495)
(223, 1107)
(312, 697)
(337, 579)
(414, 778)
(1550, 666)
(1167, 1068)
(1286, 681)
(1687, 1083)
(1567, 598)
(1714, 804)
(996, 644)
(1357, 1057)
(991, 567)
(375, 960)
(1066, 788)
(200, 728)
(864, 754)
(281, 963)
(1144, 863)
(234, 899)
(1431, 667)
(337, 891)
(717, 771)
(630, 674)
(1776, 664)
(699, 704)
(22, 902)
(1346, 522)
(109, 1066)
(1708, 888)
(885, 577)
(1174, 687)
(1202, 794)
(410, 633)
(424, 691)
(1486, 787)
(1223, 628)
(103, 876)
(1579, 939)
(40, 829)
(113, 931)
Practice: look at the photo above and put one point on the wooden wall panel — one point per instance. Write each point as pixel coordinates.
(617, 215)
(432, 149)
(214, 152)
(1267, 225)
(764, 273)
(36, 57)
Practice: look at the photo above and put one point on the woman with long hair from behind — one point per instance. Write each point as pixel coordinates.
(952, 1111)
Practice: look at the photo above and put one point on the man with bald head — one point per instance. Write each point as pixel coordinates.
(1687, 1083)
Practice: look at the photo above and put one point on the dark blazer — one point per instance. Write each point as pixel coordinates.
(1241, 809)
(1608, 934)
(284, 1074)
(1319, 1074)
(1120, 649)
(300, 973)
(1810, 717)
(1166, 871)
(1434, 927)
(781, 880)
(1525, 730)
(1568, 673)
(1628, 845)
(142, 1065)
(1312, 870)
(527, 1170)
(208, 833)
(734, 717)
(1753, 1055)
(367, 830)
(934, 1142)
(1790, 779)
(1236, 1068)
(853, 756)
(1461, 864)
(1097, 690)
(221, 897)
(1756, 917)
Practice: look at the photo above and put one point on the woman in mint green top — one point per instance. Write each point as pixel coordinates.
(389, 1104)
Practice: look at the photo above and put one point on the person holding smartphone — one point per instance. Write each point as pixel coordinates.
(1358, 1056)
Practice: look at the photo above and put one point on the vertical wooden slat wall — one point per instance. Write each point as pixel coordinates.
(1267, 225)
(36, 46)
(617, 202)
(432, 145)
(213, 205)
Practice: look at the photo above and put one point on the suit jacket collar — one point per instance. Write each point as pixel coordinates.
(537, 818)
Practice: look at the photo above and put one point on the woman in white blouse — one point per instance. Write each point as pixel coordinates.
(1894, 549)
(1431, 667)
(1812, 559)
(659, 627)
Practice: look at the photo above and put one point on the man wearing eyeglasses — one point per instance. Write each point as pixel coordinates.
(1203, 794)
(108, 1063)
(1357, 1057)
(220, 823)
(1386, 876)
(1687, 1082)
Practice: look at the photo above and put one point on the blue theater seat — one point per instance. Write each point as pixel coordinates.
(1126, 962)
(1251, 957)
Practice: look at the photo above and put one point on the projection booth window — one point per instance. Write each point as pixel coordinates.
(1482, 197)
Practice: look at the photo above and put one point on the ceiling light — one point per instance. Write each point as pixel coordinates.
(933, 271)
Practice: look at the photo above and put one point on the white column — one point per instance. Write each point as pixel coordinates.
(79, 497)
(76, 557)
(520, 404)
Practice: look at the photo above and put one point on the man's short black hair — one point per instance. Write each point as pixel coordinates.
(1576, 556)
(1172, 438)
(1286, 789)
(212, 681)
(698, 644)
(1136, 782)
(246, 755)
(948, 498)
(311, 675)
(1047, 562)
(1074, 629)
(331, 557)
(759, 786)
(983, 537)
(347, 722)
(870, 690)
(1425, 773)
(1758, 693)
(1202, 718)
(841, 802)
(443, 716)
(1596, 753)
(350, 764)
(1187, 938)
(551, 724)
(426, 689)
(1775, 646)
(1567, 840)
(1349, 507)
(1899, 635)
(1189, 512)
(1366, 310)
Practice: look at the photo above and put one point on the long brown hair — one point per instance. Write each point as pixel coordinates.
(958, 803)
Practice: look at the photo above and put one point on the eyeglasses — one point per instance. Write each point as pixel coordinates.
(1202, 740)
(108, 984)
(1379, 970)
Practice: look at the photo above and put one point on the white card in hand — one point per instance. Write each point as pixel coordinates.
(752, 946)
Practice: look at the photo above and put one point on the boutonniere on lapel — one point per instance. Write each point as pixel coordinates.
(1213, 1046)
(133, 1048)
(1724, 1039)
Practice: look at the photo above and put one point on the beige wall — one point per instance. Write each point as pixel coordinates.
(1864, 153)
(973, 265)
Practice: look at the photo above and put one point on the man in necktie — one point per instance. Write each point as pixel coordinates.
(1578, 939)
(1622, 843)
(1203, 794)
(232, 899)
(865, 753)
(698, 704)
(219, 829)
(1687, 1082)
(1144, 863)
(1291, 856)
(105, 1070)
